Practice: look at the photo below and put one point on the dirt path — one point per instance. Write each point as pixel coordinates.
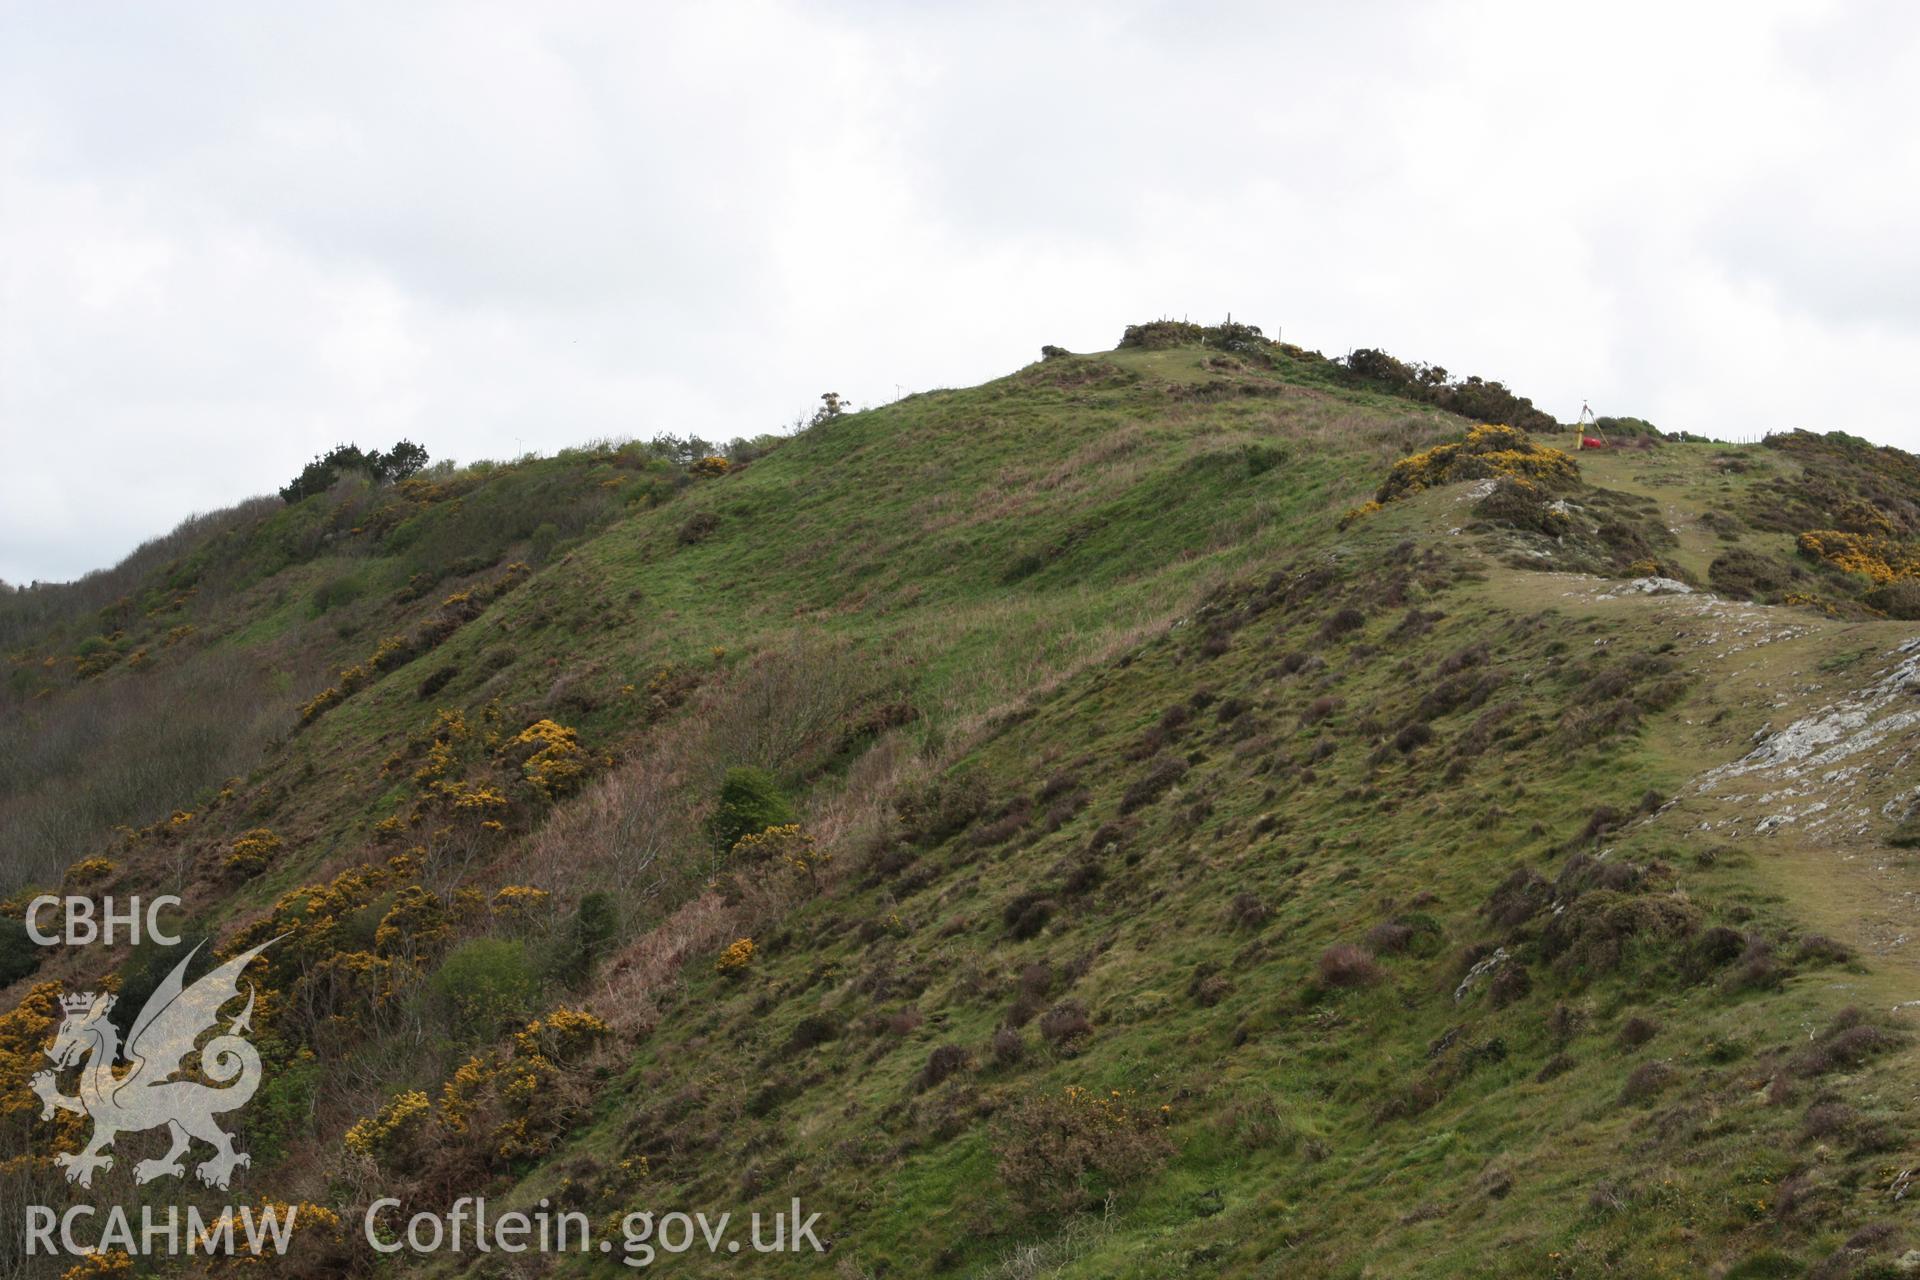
(1806, 756)
(1814, 800)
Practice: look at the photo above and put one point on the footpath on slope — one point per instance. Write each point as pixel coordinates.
(1805, 757)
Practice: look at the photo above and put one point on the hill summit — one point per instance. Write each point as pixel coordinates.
(1196, 808)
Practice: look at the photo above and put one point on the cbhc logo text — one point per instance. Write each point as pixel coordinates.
(84, 922)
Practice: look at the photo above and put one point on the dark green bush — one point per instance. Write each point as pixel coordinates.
(1028, 914)
(1844, 1044)
(750, 802)
(945, 1061)
(812, 1031)
(487, 983)
(282, 1114)
(589, 934)
(1594, 932)
(1143, 791)
(543, 541)
(142, 972)
(1618, 428)
(1749, 575)
(1229, 335)
(1476, 398)
(1520, 505)
(339, 590)
(697, 528)
(944, 807)
(318, 476)
(1157, 334)
(1897, 599)
(18, 955)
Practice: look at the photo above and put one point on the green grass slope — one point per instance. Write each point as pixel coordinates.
(1185, 869)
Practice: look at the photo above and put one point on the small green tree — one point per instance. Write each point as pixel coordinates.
(18, 956)
(750, 802)
(148, 965)
(399, 462)
(592, 930)
(487, 983)
(282, 1113)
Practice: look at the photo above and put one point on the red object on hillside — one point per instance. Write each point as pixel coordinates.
(1588, 442)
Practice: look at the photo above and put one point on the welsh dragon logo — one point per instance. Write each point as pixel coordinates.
(146, 1096)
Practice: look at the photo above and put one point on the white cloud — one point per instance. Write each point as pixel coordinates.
(232, 235)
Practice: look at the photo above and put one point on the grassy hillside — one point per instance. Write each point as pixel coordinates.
(1209, 811)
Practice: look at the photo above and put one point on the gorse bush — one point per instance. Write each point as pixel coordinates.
(253, 852)
(496, 1107)
(565, 1036)
(1486, 451)
(396, 651)
(786, 846)
(393, 1134)
(734, 960)
(1158, 334)
(1845, 483)
(416, 926)
(1873, 556)
(1229, 335)
(551, 758)
(89, 871)
(1058, 1152)
(832, 407)
(518, 903)
(499, 1106)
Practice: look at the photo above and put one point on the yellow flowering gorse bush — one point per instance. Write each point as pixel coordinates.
(395, 651)
(735, 959)
(394, 1127)
(107, 1264)
(1874, 556)
(89, 871)
(253, 852)
(1487, 451)
(551, 758)
(521, 1090)
(517, 901)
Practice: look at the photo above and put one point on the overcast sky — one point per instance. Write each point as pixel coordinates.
(234, 234)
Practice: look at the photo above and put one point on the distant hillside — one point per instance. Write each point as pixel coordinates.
(1198, 808)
